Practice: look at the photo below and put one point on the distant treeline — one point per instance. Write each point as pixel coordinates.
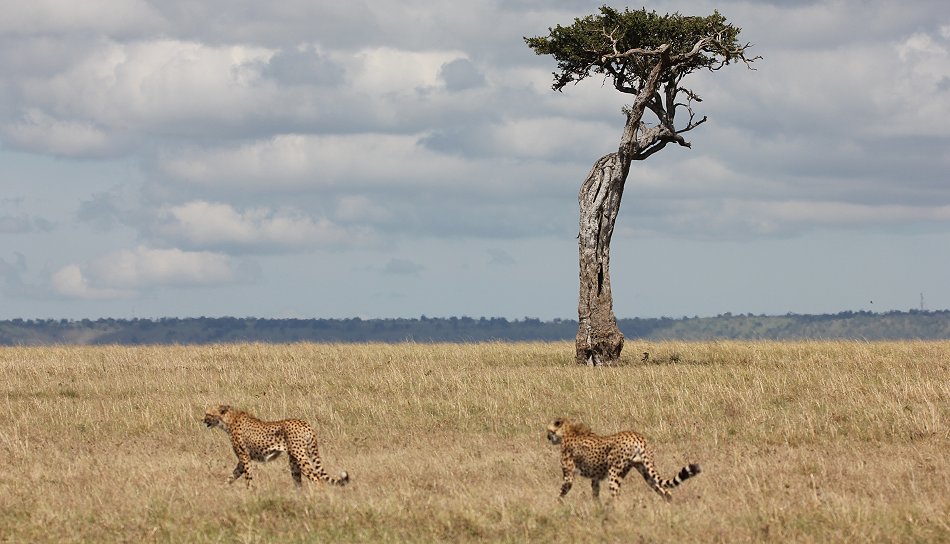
(204, 330)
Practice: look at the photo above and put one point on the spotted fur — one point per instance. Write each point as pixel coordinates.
(608, 457)
(262, 441)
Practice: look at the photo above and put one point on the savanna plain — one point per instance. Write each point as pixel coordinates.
(799, 441)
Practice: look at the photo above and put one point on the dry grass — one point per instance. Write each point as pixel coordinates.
(805, 442)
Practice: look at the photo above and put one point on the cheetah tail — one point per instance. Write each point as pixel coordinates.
(342, 480)
(684, 474)
(322, 474)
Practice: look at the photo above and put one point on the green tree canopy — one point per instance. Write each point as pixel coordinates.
(620, 44)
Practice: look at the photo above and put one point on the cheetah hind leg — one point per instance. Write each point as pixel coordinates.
(295, 470)
(614, 477)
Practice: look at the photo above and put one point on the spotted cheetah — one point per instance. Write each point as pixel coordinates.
(598, 457)
(253, 439)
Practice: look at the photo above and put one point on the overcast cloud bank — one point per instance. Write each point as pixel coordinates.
(252, 158)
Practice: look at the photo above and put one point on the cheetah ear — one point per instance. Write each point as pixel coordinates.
(558, 422)
(224, 408)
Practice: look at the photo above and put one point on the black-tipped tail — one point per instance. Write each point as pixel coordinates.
(685, 473)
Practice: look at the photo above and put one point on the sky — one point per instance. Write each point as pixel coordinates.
(382, 159)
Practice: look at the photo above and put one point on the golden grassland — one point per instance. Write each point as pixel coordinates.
(799, 441)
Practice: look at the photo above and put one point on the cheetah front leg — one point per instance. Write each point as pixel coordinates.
(567, 467)
(243, 467)
(595, 487)
(238, 471)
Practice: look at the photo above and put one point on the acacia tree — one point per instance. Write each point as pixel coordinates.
(648, 56)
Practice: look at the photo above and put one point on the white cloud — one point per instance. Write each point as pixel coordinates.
(920, 44)
(172, 88)
(70, 281)
(546, 138)
(54, 16)
(388, 70)
(355, 209)
(920, 87)
(858, 88)
(216, 225)
(141, 88)
(123, 273)
(314, 161)
(37, 131)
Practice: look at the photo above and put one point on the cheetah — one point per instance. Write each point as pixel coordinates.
(598, 457)
(257, 440)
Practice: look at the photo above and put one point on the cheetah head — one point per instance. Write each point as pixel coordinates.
(217, 415)
(556, 430)
(562, 428)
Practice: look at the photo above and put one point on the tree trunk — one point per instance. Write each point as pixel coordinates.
(599, 340)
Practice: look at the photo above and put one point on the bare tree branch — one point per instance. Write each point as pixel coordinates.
(633, 53)
(649, 151)
(691, 125)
